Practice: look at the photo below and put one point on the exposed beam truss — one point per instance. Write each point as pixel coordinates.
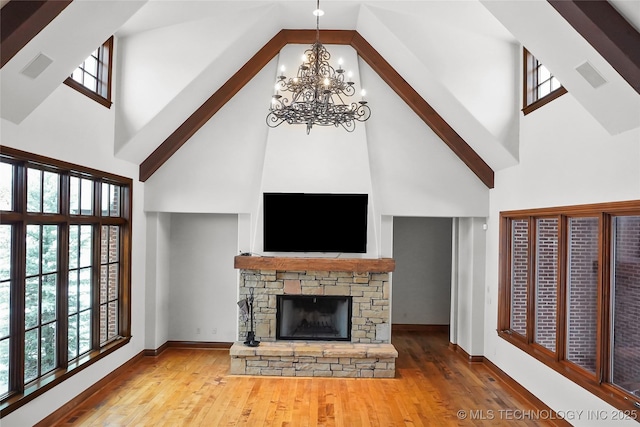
(340, 37)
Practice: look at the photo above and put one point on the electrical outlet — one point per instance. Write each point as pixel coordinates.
(197, 331)
(214, 331)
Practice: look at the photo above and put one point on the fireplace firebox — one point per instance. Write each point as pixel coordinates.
(311, 317)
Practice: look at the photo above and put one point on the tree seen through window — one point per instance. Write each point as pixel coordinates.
(64, 271)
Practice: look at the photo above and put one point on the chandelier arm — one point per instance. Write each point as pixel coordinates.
(316, 93)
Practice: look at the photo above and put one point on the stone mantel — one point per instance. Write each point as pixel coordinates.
(358, 265)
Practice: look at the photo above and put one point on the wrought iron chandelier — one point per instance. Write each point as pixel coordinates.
(316, 93)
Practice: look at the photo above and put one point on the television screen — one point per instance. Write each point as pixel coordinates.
(304, 222)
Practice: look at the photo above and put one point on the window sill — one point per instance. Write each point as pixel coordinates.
(544, 100)
(56, 377)
(607, 392)
(87, 92)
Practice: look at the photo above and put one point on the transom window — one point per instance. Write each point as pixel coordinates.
(539, 86)
(64, 271)
(93, 76)
(570, 292)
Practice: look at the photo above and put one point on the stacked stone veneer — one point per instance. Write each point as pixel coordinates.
(314, 359)
(369, 354)
(370, 291)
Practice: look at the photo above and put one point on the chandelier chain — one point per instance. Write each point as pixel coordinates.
(318, 21)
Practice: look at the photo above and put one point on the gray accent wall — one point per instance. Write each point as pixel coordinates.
(421, 292)
(203, 289)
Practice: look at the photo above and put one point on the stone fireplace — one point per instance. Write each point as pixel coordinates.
(363, 286)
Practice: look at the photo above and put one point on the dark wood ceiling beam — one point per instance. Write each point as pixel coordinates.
(342, 37)
(608, 32)
(21, 21)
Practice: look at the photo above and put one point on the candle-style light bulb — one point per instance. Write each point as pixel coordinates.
(282, 69)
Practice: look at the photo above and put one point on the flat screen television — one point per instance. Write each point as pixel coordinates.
(315, 222)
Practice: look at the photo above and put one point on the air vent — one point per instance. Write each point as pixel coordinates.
(37, 66)
(590, 74)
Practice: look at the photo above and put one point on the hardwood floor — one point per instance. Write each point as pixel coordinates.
(191, 387)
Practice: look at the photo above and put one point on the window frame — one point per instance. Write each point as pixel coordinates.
(598, 383)
(530, 100)
(105, 65)
(20, 393)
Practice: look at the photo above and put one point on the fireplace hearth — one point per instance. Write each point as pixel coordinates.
(312, 317)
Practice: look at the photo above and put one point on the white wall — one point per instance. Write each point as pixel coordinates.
(157, 287)
(562, 49)
(225, 166)
(402, 164)
(219, 169)
(567, 158)
(422, 278)
(413, 172)
(468, 273)
(21, 95)
(327, 160)
(433, 69)
(71, 127)
(203, 290)
(169, 71)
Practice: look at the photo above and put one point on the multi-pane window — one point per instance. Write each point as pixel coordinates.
(79, 289)
(519, 276)
(545, 82)
(624, 369)
(582, 291)
(546, 276)
(539, 85)
(6, 254)
(109, 278)
(93, 76)
(41, 300)
(570, 292)
(64, 271)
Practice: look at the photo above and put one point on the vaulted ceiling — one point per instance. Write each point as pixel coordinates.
(461, 58)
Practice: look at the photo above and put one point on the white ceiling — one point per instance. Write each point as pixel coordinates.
(462, 56)
(297, 14)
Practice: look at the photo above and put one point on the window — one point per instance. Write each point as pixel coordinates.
(64, 271)
(570, 292)
(540, 86)
(93, 76)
